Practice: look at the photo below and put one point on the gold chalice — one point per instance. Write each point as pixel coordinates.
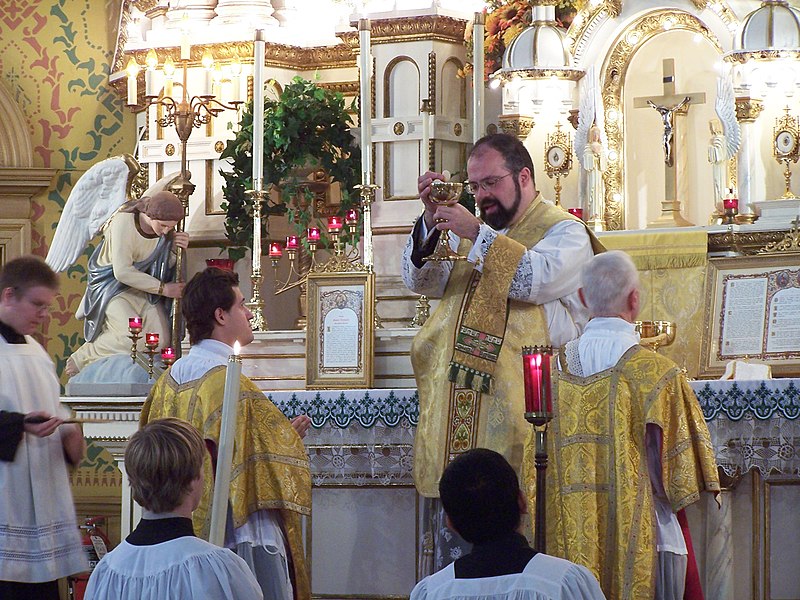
(655, 334)
(445, 193)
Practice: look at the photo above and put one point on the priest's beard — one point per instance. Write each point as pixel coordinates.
(501, 217)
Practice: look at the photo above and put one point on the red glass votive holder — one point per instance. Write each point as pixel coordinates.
(536, 362)
(292, 242)
(168, 355)
(275, 250)
(351, 217)
(334, 224)
(151, 339)
(313, 234)
(576, 212)
(135, 324)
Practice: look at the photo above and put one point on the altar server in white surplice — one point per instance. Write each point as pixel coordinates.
(162, 558)
(39, 540)
(482, 499)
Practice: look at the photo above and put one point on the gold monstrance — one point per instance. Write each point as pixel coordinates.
(786, 147)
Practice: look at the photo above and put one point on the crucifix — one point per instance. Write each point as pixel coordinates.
(669, 105)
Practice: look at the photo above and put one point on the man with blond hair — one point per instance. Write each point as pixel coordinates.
(162, 558)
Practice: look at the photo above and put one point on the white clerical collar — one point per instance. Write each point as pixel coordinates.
(213, 347)
(615, 324)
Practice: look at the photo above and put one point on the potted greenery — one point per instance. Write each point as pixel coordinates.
(306, 129)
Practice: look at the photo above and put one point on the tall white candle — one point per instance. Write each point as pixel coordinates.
(365, 78)
(426, 135)
(133, 72)
(222, 479)
(258, 110)
(477, 76)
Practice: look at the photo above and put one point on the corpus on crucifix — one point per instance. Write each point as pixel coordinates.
(668, 106)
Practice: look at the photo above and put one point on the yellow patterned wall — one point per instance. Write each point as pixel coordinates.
(54, 57)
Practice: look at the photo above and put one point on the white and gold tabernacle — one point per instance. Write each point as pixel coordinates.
(672, 128)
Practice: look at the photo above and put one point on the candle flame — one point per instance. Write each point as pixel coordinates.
(237, 347)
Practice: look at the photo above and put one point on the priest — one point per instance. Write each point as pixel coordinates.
(271, 484)
(628, 449)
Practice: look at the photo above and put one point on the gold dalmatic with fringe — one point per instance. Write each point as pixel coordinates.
(600, 510)
(270, 464)
(466, 357)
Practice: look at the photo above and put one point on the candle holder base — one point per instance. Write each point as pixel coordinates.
(150, 350)
(538, 419)
(135, 335)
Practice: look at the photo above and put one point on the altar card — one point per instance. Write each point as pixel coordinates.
(753, 313)
(340, 330)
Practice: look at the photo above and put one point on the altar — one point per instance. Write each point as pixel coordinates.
(361, 539)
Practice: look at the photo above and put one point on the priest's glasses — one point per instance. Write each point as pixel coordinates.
(445, 193)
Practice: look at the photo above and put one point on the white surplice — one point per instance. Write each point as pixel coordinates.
(186, 567)
(39, 538)
(544, 578)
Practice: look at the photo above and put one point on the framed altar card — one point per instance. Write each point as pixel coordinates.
(753, 313)
(340, 330)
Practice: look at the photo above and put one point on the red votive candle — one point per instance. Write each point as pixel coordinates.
(351, 216)
(334, 223)
(731, 203)
(151, 339)
(168, 353)
(313, 234)
(292, 242)
(576, 212)
(135, 324)
(275, 250)
(532, 375)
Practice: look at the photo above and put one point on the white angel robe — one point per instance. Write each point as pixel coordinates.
(39, 538)
(544, 578)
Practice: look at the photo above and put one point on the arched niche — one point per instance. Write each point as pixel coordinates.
(615, 74)
(19, 179)
(401, 101)
(452, 100)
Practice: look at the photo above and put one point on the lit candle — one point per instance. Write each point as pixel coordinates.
(133, 72)
(168, 355)
(208, 65)
(313, 234)
(532, 377)
(186, 49)
(334, 223)
(150, 74)
(222, 479)
(576, 212)
(258, 109)
(351, 216)
(151, 339)
(731, 203)
(169, 72)
(365, 90)
(135, 324)
(477, 76)
(236, 78)
(292, 242)
(275, 250)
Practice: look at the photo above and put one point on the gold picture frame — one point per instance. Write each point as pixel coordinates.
(340, 330)
(752, 314)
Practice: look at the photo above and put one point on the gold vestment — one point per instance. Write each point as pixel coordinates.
(454, 419)
(600, 510)
(270, 464)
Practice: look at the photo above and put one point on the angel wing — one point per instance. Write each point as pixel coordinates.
(725, 106)
(96, 196)
(586, 112)
(162, 184)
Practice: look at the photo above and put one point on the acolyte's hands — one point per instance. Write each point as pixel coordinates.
(41, 428)
(458, 220)
(301, 423)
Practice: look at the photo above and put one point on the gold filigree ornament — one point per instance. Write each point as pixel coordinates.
(558, 157)
(788, 245)
(624, 47)
(786, 146)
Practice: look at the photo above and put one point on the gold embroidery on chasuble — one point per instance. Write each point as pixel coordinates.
(600, 510)
(270, 465)
(454, 416)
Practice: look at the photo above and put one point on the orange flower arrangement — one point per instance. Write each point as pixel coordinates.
(505, 20)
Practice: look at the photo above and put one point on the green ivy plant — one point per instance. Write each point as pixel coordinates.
(308, 127)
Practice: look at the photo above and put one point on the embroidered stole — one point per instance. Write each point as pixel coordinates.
(476, 336)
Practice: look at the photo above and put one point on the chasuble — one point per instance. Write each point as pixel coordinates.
(600, 506)
(270, 465)
(466, 357)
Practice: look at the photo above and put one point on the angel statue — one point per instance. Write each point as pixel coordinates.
(726, 137)
(594, 161)
(131, 271)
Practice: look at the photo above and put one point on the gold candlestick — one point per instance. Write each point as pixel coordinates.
(135, 327)
(151, 347)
